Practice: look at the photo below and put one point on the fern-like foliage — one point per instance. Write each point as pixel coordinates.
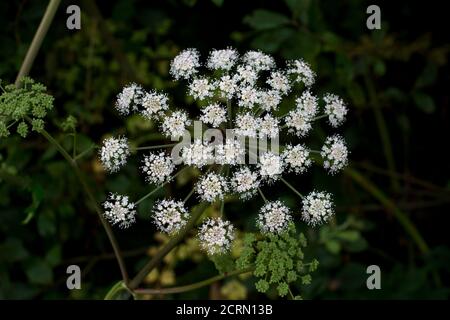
(22, 106)
(278, 260)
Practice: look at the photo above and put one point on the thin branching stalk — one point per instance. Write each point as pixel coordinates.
(152, 263)
(193, 286)
(37, 40)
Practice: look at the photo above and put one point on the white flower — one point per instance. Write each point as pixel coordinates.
(335, 108)
(269, 127)
(185, 64)
(173, 126)
(245, 183)
(114, 153)
(307, 104)
(246, 75)
(270, 166)
(317, 208)
(157, 167)
(227, 86)
(201, 88)
(334, 153)
(274, 217)
(302, 71)
(216, 236)
(298, 123)
(214, 114)
(246, 125)
(153, 104)
(258, 61)
(211, 187)
(232, 152)
(129, 98)
(279, 82)
(296, 158)
(198, 154)
(222, 59)
(248, 97)
(269, 100)
(119, 210)
(169, 216)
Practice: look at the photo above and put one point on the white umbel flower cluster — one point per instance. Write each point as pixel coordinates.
(335, 108)
(214, 114)
(157, 167)
(302, 72)
(245, 183)
(334, 153)
(153, 104)
(270, 166)
(232, 152)
(170, 216)
(185, 64)
(211, 187)
(118, 210)
(114, 153)
(317, 208)
(239, 98)
(274, 217)
(129, 99)
(222, 59)
(297, 158)
(174, 125)
(198, 154)
(216, 236)
(201, 88)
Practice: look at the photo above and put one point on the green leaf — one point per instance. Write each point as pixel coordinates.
(348, 235)
(218, 3)
(224, 263)
(333, 246)
(270, 41)
(53, 256)
(262, 19)
(424, 102)
(12, 250)
(38, 271)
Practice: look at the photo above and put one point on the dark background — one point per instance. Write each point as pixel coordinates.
(395, 193)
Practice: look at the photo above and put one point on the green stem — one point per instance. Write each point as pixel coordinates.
(192, 286)
(91, 197)
(402, 217)
(156, 147)
(115, 290)
(152, 263)
(189, 195)
(85, 152)
(160, 186)
(292, 188)
(382, 129)
(37, 40)
(74, 153)
(262, 195)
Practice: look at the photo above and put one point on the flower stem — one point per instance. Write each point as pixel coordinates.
(38, 39)
(262, 195)
(91, 197)
(189, 195)
(156, 147)
(85, 152)
(160, 186)
(152, 263)
(193, 286)
(292, 188)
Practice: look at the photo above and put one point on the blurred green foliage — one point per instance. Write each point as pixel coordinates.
(395, 80)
